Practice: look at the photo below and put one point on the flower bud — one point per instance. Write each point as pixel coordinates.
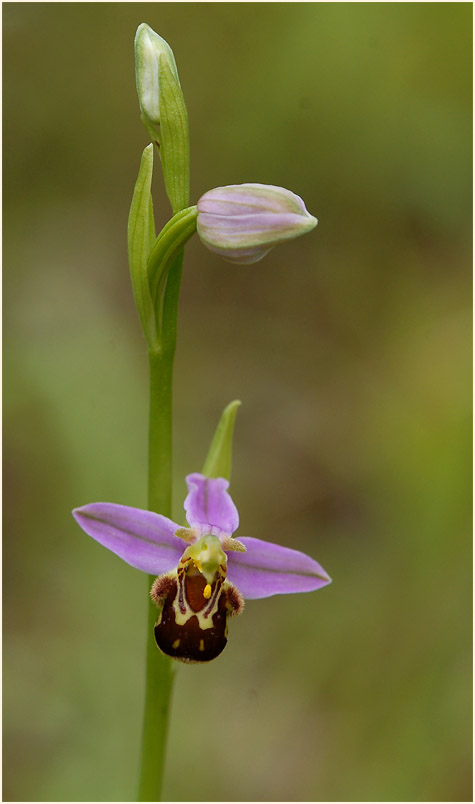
(164, 111)
(150, 48)
(242, 222)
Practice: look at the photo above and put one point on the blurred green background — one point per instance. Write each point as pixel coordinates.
(350, 349)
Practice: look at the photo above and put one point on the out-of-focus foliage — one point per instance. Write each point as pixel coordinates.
(350, 349)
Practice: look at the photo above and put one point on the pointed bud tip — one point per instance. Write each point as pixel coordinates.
(141, 29)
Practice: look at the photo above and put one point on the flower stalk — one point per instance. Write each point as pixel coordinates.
(159, 278)
(199, 575)
(159, 668)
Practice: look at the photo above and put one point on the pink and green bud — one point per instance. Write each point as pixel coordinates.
(242, 222)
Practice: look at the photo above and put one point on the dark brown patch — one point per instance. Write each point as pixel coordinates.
(213, 640)
(194, 587)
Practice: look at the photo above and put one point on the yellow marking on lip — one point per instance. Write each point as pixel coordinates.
(207, 591)
(202, 644)
(176, 644)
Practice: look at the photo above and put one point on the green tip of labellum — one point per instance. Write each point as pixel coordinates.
(219, 458)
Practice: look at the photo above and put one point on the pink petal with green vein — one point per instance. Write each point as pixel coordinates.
(143, 539)
(269, 569)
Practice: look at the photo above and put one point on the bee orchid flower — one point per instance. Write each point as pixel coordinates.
(203, 572)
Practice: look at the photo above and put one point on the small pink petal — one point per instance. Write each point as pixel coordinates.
(209, 505)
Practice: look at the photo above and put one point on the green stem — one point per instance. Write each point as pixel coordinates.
(171, 240)
(159, 668)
